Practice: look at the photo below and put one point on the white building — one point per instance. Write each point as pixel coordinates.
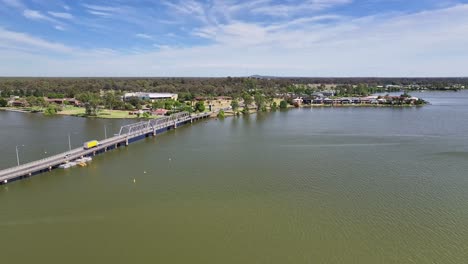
(150, 96)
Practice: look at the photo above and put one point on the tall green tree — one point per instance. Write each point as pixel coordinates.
(234, 105)
(91, 102)
(259, 99)
(200, 106)
(52, 109)
(110, 100)
(247, 98)
(283, 104)
(3, 102)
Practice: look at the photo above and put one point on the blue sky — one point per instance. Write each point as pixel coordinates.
(234, 38)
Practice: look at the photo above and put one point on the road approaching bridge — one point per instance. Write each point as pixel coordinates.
(128, 134)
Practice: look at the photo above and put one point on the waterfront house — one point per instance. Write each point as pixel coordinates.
(61, 101)
(345, 101)
(160, 111)
(307, 100)
(150, 96)
(297, 101)
(317, 101)
(18, 103)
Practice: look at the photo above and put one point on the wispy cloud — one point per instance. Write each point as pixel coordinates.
(99, 13)
(14, 3)
(233, 37)
(18, 40)
(188, 7)
(62, 15)
(61, 28)
(107, 9)
(37, 15)
(143, 36)
(287, 9)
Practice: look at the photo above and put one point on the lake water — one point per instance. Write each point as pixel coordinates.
(320, 185)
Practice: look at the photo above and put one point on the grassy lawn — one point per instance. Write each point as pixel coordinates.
(103, 113)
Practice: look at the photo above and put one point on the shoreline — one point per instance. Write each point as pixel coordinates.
(227, 113)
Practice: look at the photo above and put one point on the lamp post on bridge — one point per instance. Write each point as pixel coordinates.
(105, 129)
(17, 154)
(69, 140)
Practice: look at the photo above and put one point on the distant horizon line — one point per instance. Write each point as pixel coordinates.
(249, 76)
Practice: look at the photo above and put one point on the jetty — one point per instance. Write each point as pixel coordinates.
(127, 135)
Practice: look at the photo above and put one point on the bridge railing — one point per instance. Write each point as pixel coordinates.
(125, 132)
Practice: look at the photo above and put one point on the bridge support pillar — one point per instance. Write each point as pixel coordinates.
(154, 132)
(50, 168)
(126, 142)
(175, 124)
(30, 174)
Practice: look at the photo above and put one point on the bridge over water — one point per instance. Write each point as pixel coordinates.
(127, 134)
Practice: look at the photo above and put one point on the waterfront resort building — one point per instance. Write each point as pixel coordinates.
(150, 96)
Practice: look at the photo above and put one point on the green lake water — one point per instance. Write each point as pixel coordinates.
(321, 185)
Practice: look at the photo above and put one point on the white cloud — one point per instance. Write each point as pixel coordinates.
(143, 36)
(14, 3)
(23, 41)
(99, 13)
(188, 7)
(61, 28)
(107, 9)
(287, 9)
(36, 15)
(430, 43)
(62, 15)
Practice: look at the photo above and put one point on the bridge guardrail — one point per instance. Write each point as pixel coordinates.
(133, 130)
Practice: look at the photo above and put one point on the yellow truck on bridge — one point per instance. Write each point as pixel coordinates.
(91, 144)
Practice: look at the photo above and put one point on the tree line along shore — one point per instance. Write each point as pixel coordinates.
(100, 97)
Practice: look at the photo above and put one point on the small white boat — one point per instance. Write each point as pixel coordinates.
(67, 165)
(84, 160)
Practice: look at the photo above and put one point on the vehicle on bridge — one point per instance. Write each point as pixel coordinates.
(91, 144)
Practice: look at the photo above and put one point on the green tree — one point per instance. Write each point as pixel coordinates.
(234, 105)
(32, 102)
(187, 108)
(3, 102)
(259, 100)
(283, 104)
(146, 115)
(250, 85)
(274, 106)
(200, 106)
(91, 102)
(221, 113)
(247, 99)
(111, 101)
(136, 102)
(158, 104)
(168, 104)
(52, 109)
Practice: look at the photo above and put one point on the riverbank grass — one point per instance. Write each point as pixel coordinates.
(103, 113)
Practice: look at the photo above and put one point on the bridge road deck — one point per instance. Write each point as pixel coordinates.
(127, 134)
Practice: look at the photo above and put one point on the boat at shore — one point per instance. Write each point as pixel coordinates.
(67, 165)
(83, 160)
